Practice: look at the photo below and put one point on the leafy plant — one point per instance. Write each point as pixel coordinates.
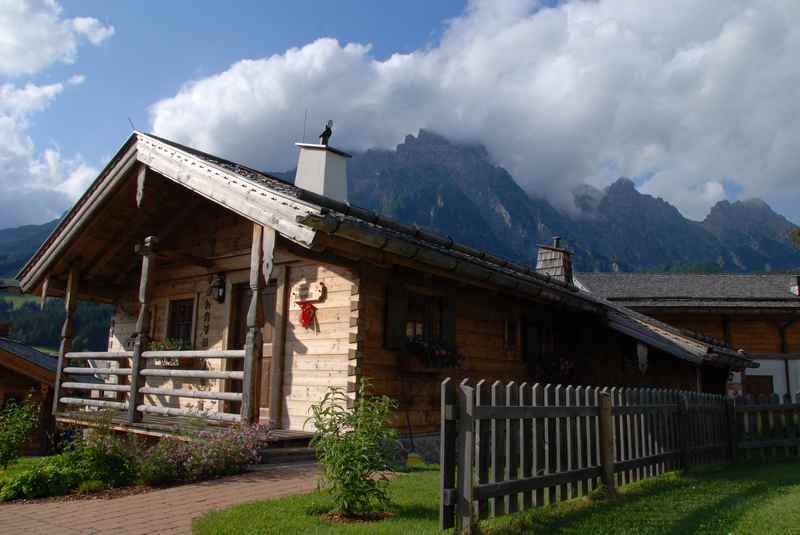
(17, 424)
(350, 443)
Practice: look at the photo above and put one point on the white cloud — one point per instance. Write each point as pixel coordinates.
(37, 185)
(35, 35)
(690, 93)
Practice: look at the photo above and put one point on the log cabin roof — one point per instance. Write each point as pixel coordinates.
(775, 291)
(299, 215)
(32, 362)
(27, 360)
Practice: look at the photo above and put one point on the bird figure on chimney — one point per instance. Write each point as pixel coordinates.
(326, 134)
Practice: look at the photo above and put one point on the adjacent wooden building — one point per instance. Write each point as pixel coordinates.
(757, 313)
(27, 374)
(240, 297)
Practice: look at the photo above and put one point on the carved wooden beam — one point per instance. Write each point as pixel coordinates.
(141, 179)
(148, 252)
(261, 263)
(278, 347)
(70, 302)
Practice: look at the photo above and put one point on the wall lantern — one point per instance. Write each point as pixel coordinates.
(216, 289)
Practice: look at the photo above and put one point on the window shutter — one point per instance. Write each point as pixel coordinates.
(396, 308)
(449, 319)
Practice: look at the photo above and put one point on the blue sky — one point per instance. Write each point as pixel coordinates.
(694, 101)
(157, 47)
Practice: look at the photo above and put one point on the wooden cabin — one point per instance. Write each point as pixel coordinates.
(27, 374)
(240, 297)
(757, 313)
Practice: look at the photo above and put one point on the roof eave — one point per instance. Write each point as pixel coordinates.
(36, 267)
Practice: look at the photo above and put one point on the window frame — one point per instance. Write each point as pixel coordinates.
(433, 305)
(192, 321)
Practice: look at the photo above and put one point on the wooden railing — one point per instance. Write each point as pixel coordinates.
(135, 390)
(510, 447)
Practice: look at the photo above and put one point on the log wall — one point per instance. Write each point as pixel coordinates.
(586, 350)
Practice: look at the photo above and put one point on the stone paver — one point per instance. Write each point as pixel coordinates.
(161, 512)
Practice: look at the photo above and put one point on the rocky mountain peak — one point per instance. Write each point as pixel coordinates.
(430, 148)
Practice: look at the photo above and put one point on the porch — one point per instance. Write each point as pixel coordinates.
(101, 390)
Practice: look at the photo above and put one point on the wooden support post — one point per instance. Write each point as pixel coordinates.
(447, 455)
(261, 258)
(45, 288)
(683, 426)
(466, 455)
(733, 432)
(785, 349)
(606, 435)
(278, 348)
(70, 302)
(148, 252)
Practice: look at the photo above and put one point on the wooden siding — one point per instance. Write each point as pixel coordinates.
(316, 358)
(591, 353)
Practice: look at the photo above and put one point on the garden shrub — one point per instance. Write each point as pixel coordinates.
(102, 456)
(49, 478)
(105, 460)
(17, 424)
(204, 455)
(162, 464)
(105, 456)
(351, 446)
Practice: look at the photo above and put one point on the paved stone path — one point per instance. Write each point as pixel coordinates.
(168, 511)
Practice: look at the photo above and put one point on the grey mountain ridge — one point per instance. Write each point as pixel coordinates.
(456, 190)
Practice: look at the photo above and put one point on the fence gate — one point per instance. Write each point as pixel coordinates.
(509, 447)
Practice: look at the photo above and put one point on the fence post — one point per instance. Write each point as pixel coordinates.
(466, 456)
(683, 424)
(607, 445)
(447, 456)
(733, 435)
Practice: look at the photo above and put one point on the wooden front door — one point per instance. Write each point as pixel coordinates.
(241, 303)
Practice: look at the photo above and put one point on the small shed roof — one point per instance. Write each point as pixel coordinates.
(27, 360)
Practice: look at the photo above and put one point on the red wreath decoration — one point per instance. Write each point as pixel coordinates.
(307, 313)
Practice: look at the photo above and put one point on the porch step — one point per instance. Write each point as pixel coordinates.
(287, 455)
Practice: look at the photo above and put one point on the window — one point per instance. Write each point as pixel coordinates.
(179, 328)
(414, 313)
(424, 317)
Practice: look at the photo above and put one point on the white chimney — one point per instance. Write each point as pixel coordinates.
(554, 261)
(322, 169)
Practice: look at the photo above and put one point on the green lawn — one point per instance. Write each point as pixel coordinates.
(740, 499)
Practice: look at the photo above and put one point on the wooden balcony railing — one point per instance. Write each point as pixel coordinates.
(67, 393)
